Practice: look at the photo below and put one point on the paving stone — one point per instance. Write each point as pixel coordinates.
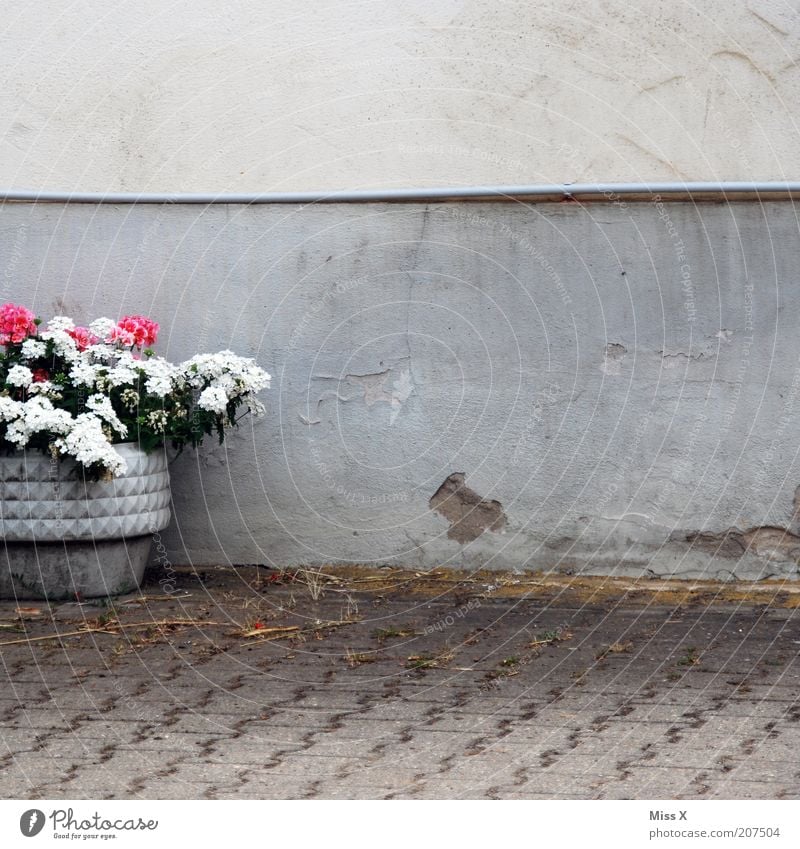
(302, 720)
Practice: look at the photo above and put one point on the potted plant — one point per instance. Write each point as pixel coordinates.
(86, 415)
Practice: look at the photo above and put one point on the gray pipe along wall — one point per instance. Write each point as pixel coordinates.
(608, 387)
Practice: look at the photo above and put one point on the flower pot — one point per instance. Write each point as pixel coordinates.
(66, 537)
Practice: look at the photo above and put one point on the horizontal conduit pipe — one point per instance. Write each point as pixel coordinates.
(719, 191)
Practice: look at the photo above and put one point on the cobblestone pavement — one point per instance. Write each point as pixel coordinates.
(392, 686)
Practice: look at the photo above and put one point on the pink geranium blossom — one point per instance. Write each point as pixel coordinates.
(16, 324)
(135, 330)
(124, 337)
(83, 337)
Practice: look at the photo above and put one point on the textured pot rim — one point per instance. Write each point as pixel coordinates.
(29, 454)
(135, 446)
(44, 506)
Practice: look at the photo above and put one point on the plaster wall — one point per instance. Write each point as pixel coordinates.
(609, 387)
(261, 95)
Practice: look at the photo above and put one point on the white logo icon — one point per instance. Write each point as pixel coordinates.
(31, 822)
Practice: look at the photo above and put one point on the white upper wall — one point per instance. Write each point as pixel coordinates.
(259, 95)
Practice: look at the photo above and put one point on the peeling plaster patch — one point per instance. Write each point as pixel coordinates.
(775, 544)
(307, 420)
(727, 544)
(374, 386)
(612, 361)
(772, 543)
(469, 515)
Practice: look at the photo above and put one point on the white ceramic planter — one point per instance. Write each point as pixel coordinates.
(65, 537)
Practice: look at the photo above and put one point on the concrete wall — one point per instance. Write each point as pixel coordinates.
(617, 383)
(256, 95)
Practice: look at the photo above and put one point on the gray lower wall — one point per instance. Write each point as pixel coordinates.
(618, 383)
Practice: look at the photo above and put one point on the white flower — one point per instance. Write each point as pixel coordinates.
(37, 415)
(19, 376)
(213, 399)
(83, 373)
(46, 387)
(161, 376)
(236, 375)
(125, 371)
(102, 327)
(130, 398)
(17, 433)
(122, 376)
(64, 345)
(81, 437)
(101, 353)
(33, 348)
(87, 443)
(256, 407)
(104, 370)
(60, 323)
(9, 408)
(101, 406)
(158, 420)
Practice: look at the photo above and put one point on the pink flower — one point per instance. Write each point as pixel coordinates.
(135, 330)
(40, 375)
(124, 337)
(16, 324)
(83, 337)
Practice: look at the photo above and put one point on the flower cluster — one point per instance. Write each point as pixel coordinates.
(76, 391)
(134, 330)
(16, 324)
